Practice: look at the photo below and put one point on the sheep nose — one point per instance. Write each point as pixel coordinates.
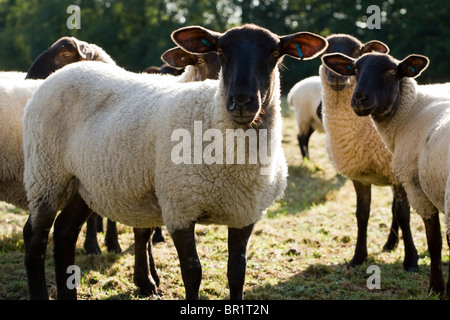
(359, 99)
(240, 101)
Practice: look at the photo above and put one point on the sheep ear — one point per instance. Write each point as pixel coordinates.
(303, 45)
(339, 63)
(84, 49)
(374, 45)
(412, 66)
(178, 58)
(196, 39)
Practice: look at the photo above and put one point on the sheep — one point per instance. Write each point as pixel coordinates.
(198, 67)
(358, 152)
(414, 122)
(64, 51)
(164, 69)
(305, 99)
(122, 140)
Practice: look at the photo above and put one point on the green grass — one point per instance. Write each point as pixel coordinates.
(299, 250)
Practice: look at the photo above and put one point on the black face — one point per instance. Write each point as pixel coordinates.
(208, 65)
(248, 61)
(347, 45)
(61, 53)
(378, 86)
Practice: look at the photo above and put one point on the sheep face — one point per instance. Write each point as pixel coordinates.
(352, 47)
(63, 52)
(207, 64)
(378, 78)
(248, 57)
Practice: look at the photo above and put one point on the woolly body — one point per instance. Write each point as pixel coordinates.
(304, 98)
(353, 143)
(422, 162)
(14, 94)
(114, 136)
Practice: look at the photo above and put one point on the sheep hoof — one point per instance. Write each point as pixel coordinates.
(146, 287)
(92, 249)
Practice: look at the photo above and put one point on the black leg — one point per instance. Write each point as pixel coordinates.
(143, 275)
(191, 270)
(90, 242)
(111, 237)
(157, 236)
(237, 261)
(303, 141)
(66, 231)
(393, 237)
(35, 240)
(402, 215)
(363, 199)
(434, 241)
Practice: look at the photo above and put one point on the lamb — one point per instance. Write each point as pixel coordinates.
(358, 152)
(130, 126)
(305, 99)
(414, 122)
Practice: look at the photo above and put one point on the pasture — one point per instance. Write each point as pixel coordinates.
(298, 251)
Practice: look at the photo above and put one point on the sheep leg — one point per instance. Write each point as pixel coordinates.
(90, 242)
(393, 237)
(66, 231)
(35, 235)
(363, 199)
(145, 275)
(303, 141)
(111, 237)
(448, 281)
(402, 213)
(237, 261)
(434, 241)
(157, 235)
(191, 269)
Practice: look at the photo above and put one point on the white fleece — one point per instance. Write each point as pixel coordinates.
(419, 135)
(113, 134)
(304, 98)
(14, 94)
(353, 143)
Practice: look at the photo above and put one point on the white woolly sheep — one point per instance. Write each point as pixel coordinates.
(414, 122)
(305, 99)
(358, 152)
(117, 143)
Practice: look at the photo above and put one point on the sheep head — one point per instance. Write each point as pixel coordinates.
(248, 56)
(352, 47)
(378, 78)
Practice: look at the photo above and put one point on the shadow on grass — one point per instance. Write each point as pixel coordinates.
(306, 187)
(338, 282)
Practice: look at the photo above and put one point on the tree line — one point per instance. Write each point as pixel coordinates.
(136, 32)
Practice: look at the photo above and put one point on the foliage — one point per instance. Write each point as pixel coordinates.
(135, 33)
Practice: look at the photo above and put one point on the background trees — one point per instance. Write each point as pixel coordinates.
(136, 32)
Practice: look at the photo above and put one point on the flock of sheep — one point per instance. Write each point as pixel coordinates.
(91, 138)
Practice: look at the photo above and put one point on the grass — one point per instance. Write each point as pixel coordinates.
(299, 250)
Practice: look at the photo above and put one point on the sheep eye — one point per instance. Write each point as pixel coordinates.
(219, 50)
(276, 54)
(200, 61)
(392, 72)
(67, 54)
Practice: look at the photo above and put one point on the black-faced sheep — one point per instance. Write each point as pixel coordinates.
(358, 152)
(138, 120)
(414, 122)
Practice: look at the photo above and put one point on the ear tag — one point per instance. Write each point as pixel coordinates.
(207, 43)
(349, 67)
(411, 68)
(300, 54)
